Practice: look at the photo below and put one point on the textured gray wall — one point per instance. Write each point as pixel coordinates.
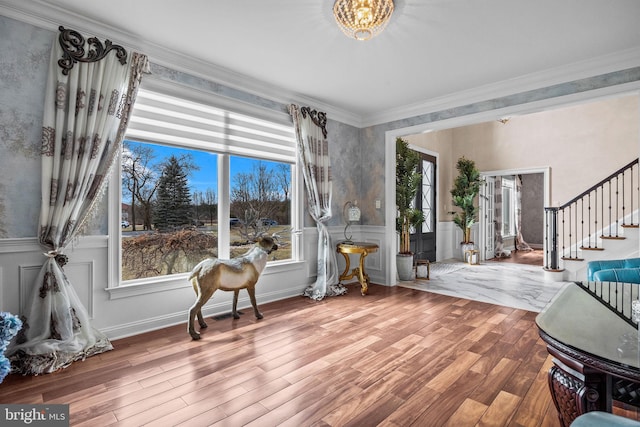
(24, 58)
(533, 208)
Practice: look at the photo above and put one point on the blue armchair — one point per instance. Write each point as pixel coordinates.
(603, 419)
(615, 270)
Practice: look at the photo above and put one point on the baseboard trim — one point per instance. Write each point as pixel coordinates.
(216, 309)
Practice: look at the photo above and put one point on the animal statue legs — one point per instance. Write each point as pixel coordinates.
(196, 311)
(201, 320)
(234, 311)
(192, 315)
(252, 297)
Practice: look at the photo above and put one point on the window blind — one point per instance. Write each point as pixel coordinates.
(159, 118)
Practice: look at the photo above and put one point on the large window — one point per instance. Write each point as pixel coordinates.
(201, 181)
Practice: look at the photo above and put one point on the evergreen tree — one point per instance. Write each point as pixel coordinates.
(173, 204)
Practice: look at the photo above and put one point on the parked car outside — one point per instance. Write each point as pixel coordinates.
(234, 221)
(268, 221)
(124, 224)
(197, 222)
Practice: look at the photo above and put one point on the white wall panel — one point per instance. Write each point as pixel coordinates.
(27, 278)
(136, 312)
(80, 275)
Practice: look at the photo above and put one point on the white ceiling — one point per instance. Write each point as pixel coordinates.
(430, 50)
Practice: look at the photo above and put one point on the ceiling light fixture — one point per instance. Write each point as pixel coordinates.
(362, 19)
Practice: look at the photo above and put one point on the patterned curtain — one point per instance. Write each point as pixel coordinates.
(521, 245)
(313, 153)
(87, 107)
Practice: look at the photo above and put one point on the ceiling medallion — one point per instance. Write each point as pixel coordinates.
(362, 19)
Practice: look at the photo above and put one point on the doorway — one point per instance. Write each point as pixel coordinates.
(526, 223)
(423, 239)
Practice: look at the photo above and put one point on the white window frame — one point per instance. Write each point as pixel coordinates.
(176, 281)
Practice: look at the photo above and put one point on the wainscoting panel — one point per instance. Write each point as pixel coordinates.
(374, 265)
(22, 260)
(27, 277)
(81, 276)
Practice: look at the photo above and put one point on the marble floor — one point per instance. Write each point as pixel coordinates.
(513, 285)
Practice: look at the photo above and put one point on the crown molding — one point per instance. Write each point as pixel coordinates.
(578, 70)
(50, 17)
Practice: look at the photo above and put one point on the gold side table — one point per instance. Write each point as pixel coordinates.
(362, 248)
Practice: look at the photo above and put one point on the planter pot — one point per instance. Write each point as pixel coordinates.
(404, 264)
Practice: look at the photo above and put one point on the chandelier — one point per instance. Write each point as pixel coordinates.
(362, 19)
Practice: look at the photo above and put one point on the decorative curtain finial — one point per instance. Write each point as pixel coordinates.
(318, 117)
(72, 44)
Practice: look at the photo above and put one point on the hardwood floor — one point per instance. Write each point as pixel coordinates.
(534, 257)
(396, 357)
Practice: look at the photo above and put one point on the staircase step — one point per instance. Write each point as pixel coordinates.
(613, 237)
(591, 249)
(564, 258)
(630, 226)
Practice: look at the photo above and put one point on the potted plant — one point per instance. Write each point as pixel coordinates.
(407, 186)
(465, 189)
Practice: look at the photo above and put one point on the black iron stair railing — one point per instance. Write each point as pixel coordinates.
(595, 214)
(616, 296)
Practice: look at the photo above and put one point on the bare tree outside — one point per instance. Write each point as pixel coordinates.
(211, 204)
(205, 207)
(140, 179)
(198, 200)
(283, 175)
(255, 199)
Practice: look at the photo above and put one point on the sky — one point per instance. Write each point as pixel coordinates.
(207, 175)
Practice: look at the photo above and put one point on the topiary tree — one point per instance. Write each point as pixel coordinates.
(465, 189)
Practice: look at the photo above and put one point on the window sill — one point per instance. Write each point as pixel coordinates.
(179, 281)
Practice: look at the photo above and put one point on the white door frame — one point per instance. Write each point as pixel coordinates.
(546, 171)
(486, 220)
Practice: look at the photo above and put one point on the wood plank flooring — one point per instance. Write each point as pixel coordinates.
(533, 257)
(396, 357)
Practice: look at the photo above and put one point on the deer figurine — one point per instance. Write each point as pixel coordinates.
(233, 274)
